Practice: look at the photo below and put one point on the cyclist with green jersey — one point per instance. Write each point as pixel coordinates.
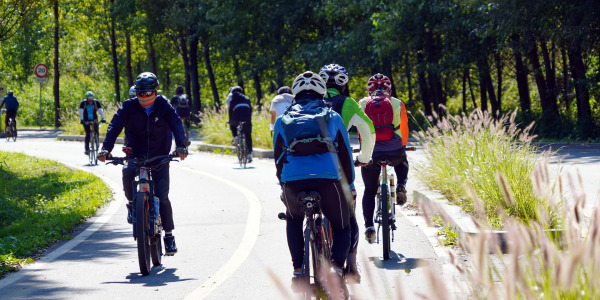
(338, 97)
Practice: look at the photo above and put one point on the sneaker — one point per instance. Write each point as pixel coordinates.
(129, 213)
(351, 272)
(86, 152)
(299, 283)
(249, 158)
(370, 235)
(400, 195)
(235, 141)
(170, 247)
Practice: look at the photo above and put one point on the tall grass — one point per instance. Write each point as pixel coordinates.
(476, 156)
(41, 201)
(539, 265)
(215, 129)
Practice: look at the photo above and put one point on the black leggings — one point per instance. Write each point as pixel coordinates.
(10, 114)
(334, 206)
(370, 176)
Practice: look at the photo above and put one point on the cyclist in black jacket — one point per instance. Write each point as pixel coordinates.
(150, 123)
(240, 110)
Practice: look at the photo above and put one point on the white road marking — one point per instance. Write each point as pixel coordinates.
(243, 249)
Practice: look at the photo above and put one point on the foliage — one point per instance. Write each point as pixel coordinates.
(41, 201)
(478, 157)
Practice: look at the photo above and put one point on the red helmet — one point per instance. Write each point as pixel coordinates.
(379, 82)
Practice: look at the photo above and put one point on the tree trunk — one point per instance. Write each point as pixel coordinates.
(186, 62)
(482, 91)
(113, 50)
(128, 69)
(464, 91)
(56, 87)
(238, 73)
(566, 88)
(522, 82)
(152, 55)
(258, 89)
(423, 87)
(578, 69)
(211, 75)
(488, 86)
(468, 70)
(194, 74)
(407, 69)
(499, 68)
(550, 77)
(541, 84)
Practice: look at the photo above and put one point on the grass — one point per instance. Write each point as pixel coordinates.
(477, 161)
(40, 203)
(215, 129)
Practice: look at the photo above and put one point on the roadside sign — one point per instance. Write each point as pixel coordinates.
(41, 80)
(40, 70)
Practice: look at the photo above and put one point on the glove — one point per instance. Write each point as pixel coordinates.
(272, 127)
(182, 152)
(103, 121)
(102, 155)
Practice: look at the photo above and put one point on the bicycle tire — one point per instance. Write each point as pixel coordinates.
(317, 287)
(156, 249)
(385, 222)
(306, 265)
(7, 133)
(142, 223)
(14, 133)
(91, 147)
(326, 239)
(244, 150)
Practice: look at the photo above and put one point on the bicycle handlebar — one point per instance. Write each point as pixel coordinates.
(141, 162)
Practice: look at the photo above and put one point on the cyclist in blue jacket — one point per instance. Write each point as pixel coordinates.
(150, 123)
(328, 173)
(12, 105)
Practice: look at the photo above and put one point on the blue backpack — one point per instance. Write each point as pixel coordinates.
(306, 129)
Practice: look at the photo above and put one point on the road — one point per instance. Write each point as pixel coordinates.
(231, 244)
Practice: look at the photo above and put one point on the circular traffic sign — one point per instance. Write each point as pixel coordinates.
(40, 70)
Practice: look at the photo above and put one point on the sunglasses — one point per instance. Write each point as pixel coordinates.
(145, 94)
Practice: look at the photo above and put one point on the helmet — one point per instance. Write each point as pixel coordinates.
(146, 82)
(89, 95)
(10, 93)
(334, 74)
(179, 90)
(132, 91)
(236, 88)
(379, 82)
(284, 90)
(309, 81)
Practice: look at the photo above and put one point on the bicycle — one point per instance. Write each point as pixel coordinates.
(242, 150)
(94, 142)
(11, 130)
(385, 210)
(317, 245)
(147, 226)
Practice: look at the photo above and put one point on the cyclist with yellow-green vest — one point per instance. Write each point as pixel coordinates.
(338, 97)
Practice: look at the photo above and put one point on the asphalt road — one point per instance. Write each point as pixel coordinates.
(231, 244)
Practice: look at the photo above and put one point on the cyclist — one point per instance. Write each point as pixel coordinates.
(336, 78)
(181, 104)
(322, 172)
(280, 103)
(240, 110)
(150, 123)
(87, 112)
(12, 105)
(393, 150)
(132, 91)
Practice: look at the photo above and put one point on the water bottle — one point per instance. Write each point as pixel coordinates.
(156, 207)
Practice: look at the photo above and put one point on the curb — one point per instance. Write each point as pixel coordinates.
(256, 152)
(81, 138)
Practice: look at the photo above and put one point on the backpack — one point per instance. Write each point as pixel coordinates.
(182, 101)
(380, 110)
(306, 129)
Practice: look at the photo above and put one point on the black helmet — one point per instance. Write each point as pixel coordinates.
(146, 82)
(179, 90)
(236, 88)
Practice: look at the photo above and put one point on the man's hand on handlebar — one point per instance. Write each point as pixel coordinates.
(181, 152)
(359, 164)
(103, 155)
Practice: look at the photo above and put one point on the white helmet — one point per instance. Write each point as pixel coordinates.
(132, 91)
(309, 81)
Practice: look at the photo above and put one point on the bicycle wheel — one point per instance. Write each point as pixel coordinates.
(91, 148)
(306, 266)
(14, 132)
(326, 239)
(385, 222)
(244, 150)
(156, 249)
(316, 288)
(142, 224)
(7, 133)
(97, 145)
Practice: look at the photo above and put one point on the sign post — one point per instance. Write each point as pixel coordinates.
(41, 71)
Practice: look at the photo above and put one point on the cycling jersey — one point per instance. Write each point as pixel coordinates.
(352, 115)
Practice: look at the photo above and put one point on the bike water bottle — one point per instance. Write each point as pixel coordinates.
(156, 207)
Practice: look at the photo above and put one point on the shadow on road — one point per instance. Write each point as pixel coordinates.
(397, 262)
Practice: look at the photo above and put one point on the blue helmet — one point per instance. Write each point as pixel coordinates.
(334, 74)
(146, 82)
